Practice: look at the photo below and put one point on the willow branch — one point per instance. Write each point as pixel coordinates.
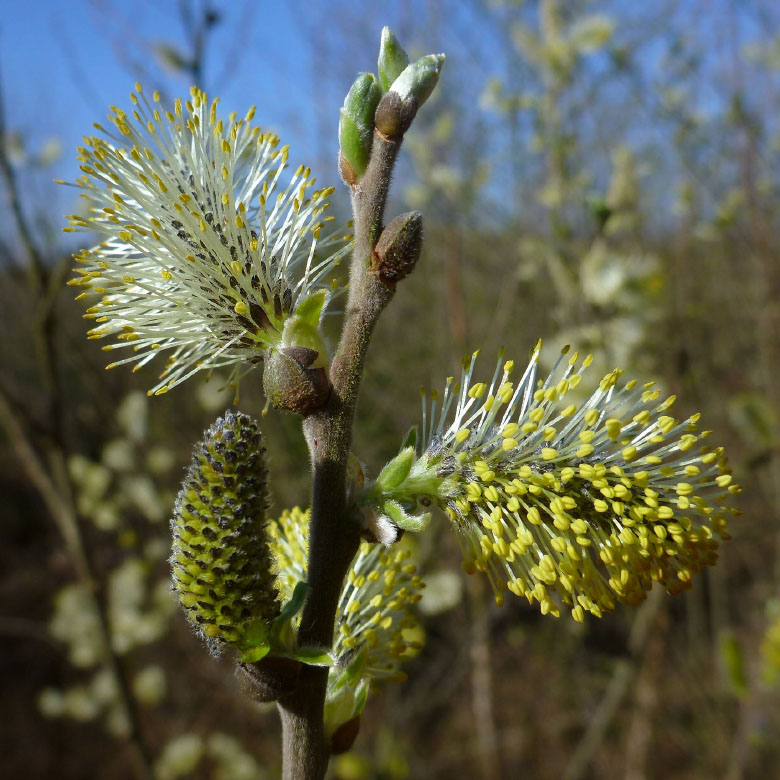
(333, 539)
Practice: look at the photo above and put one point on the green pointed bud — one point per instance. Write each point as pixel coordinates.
(396, 471)
(221, 563)
(292, 381)
(410, 440)
(419, 79)
(399, 247)
(392, 59)
(407, 93)
(356, 122)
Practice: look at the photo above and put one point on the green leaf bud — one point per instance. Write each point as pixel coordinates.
(221, 563)
(396, 471)
(407, 93)
(356, 122)
(419, 79)
(392, 59)
(399, 247)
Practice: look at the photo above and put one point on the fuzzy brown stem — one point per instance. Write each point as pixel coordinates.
(334, 539)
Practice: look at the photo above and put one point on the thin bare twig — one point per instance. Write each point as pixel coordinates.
(51, 480)
(622, 676)
(67, 522)
(488, 747)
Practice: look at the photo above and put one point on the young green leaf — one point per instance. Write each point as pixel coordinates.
(255, 654)
(313, 656)
(404, 520)
(310, 309)
(410, 440)
(396, 471)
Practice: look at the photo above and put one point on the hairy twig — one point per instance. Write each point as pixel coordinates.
(333, 537)
(622, 676)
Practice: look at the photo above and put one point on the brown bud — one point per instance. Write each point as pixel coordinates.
(291, 385)
(270, 679)
(346, 171)
(344, 736)
(398, 248)
(394, 116)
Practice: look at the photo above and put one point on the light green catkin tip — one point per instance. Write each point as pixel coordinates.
(221, 563)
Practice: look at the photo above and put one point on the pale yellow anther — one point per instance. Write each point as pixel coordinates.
(591, 417)
(579, 526)
(477, 390)
(473, 491)
(491, 494)
(629, 453)
(505, 392)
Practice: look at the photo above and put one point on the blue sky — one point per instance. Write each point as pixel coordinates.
(63, 62)
(61, 65)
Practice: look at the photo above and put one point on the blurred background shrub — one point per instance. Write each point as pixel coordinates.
(603, 174)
